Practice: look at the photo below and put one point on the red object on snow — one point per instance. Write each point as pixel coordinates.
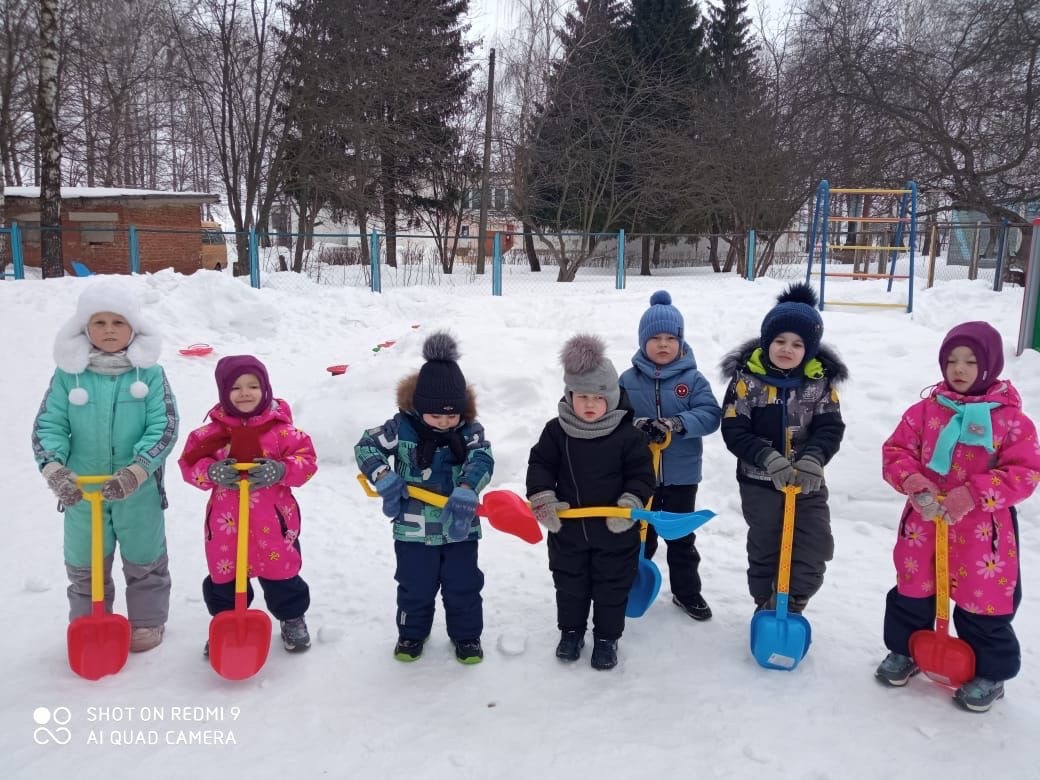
(197, 350)
(339, 369)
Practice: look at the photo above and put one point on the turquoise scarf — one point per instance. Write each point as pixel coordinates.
(971, 424)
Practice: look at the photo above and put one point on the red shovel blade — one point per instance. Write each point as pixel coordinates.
(98, 644)
(238, 643)
(509, 513)
(946, 659)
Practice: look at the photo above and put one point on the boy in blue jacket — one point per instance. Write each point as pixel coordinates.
(669, 394)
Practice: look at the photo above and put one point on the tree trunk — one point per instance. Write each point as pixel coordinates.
(713, 253)
(532, 256)
(50, 143)
(644, 262)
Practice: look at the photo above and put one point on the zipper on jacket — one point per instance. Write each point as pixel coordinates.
(574, 480)
(657, 405)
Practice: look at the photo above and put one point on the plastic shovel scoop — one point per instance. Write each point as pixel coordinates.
(647, 583)
(239, 639)
(944, 658)
(501, 510)
(196, 350)
(98, 643)
(779, 639)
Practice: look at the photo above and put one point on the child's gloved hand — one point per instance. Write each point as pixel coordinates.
(393, 490)
(808, 474)
(957, 504)
(265, 473)
(926, 504)
(619, 525)
(123, 483)
(62, 482)
(224, 473)
(658, 429)
(546, 508)
(459, 513)
(780, 470)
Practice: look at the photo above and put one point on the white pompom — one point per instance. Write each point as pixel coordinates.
(138, 389)
(78, 396)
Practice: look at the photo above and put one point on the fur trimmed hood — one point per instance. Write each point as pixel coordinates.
(406, 398)
(72, 347)
(736, 360)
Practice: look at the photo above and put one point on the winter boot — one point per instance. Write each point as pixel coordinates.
(408, 650)
(142, 639)
(896, 670)
(468, 651)
(295, 637)
(571, 642)
(604, 654)
(979, 694)
(695, 606)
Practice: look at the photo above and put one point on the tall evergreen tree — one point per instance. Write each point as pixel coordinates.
(730, 46)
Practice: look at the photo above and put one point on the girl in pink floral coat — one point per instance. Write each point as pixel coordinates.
(249, 425)
(966, 453)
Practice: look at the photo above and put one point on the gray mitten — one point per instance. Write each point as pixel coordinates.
(619, 525)
(123, 483)
(224, 473)
(265, 473)
(62, 482)
(808, 474)
(780, 470)
(546, 509)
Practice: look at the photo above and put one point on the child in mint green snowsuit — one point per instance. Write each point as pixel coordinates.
(109, 410)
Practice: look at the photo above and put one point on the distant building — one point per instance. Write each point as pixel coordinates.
(95, 222)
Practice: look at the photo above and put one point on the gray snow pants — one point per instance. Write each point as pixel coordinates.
(147, 591)
(763, 508)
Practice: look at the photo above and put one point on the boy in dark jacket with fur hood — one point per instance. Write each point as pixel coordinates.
(782, 419)
(436, 443)
(590, 455)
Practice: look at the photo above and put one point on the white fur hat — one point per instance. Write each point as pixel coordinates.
(72, 346)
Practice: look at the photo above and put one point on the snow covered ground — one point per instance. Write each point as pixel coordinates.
(687, 698)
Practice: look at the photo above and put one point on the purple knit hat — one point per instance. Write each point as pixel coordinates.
(229, 369)
(985, 342)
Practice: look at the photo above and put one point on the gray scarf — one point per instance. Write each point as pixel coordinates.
(108, 363)
(580, 429)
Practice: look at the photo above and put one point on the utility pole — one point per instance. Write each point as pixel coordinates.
(486, 177)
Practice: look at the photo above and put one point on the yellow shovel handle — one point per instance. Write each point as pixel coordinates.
(424, 495)
(97, 556)
(942, 569)
(783, 577)
(242, 547)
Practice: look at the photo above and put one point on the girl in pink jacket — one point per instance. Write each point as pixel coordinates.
(249, 425)
(968, 453)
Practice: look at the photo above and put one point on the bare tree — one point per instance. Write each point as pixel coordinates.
(50, 142)
(237, 85)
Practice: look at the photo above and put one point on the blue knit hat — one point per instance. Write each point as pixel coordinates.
(795, 312)
(441, 387)
(661, 317)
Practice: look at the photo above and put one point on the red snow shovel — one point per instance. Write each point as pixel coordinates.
(99, 643)
(240, 638)
(944, 658)
(505, 511)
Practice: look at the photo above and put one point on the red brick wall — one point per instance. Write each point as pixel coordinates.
(157, 220)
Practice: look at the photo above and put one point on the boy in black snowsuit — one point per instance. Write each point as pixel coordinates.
(782, 419)
(590, 455)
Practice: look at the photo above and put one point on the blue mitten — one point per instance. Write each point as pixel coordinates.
(393, 490)
(459, 512)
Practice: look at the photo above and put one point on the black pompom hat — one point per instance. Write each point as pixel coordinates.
(441, 387)
(795, 312)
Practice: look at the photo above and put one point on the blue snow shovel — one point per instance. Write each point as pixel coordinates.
(647, 583)
(780, 639)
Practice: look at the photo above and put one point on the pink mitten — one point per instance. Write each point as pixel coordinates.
(958, 503)
(918, 483)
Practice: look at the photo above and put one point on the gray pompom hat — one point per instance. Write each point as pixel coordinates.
(587, 369)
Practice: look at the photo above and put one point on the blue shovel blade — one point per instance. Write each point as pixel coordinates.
(673, 525)
(779, 640)
(645, 588)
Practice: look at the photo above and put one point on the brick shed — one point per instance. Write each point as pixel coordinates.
(94, 223)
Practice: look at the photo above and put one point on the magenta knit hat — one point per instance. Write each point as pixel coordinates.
(985, 342)
(229, 369)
